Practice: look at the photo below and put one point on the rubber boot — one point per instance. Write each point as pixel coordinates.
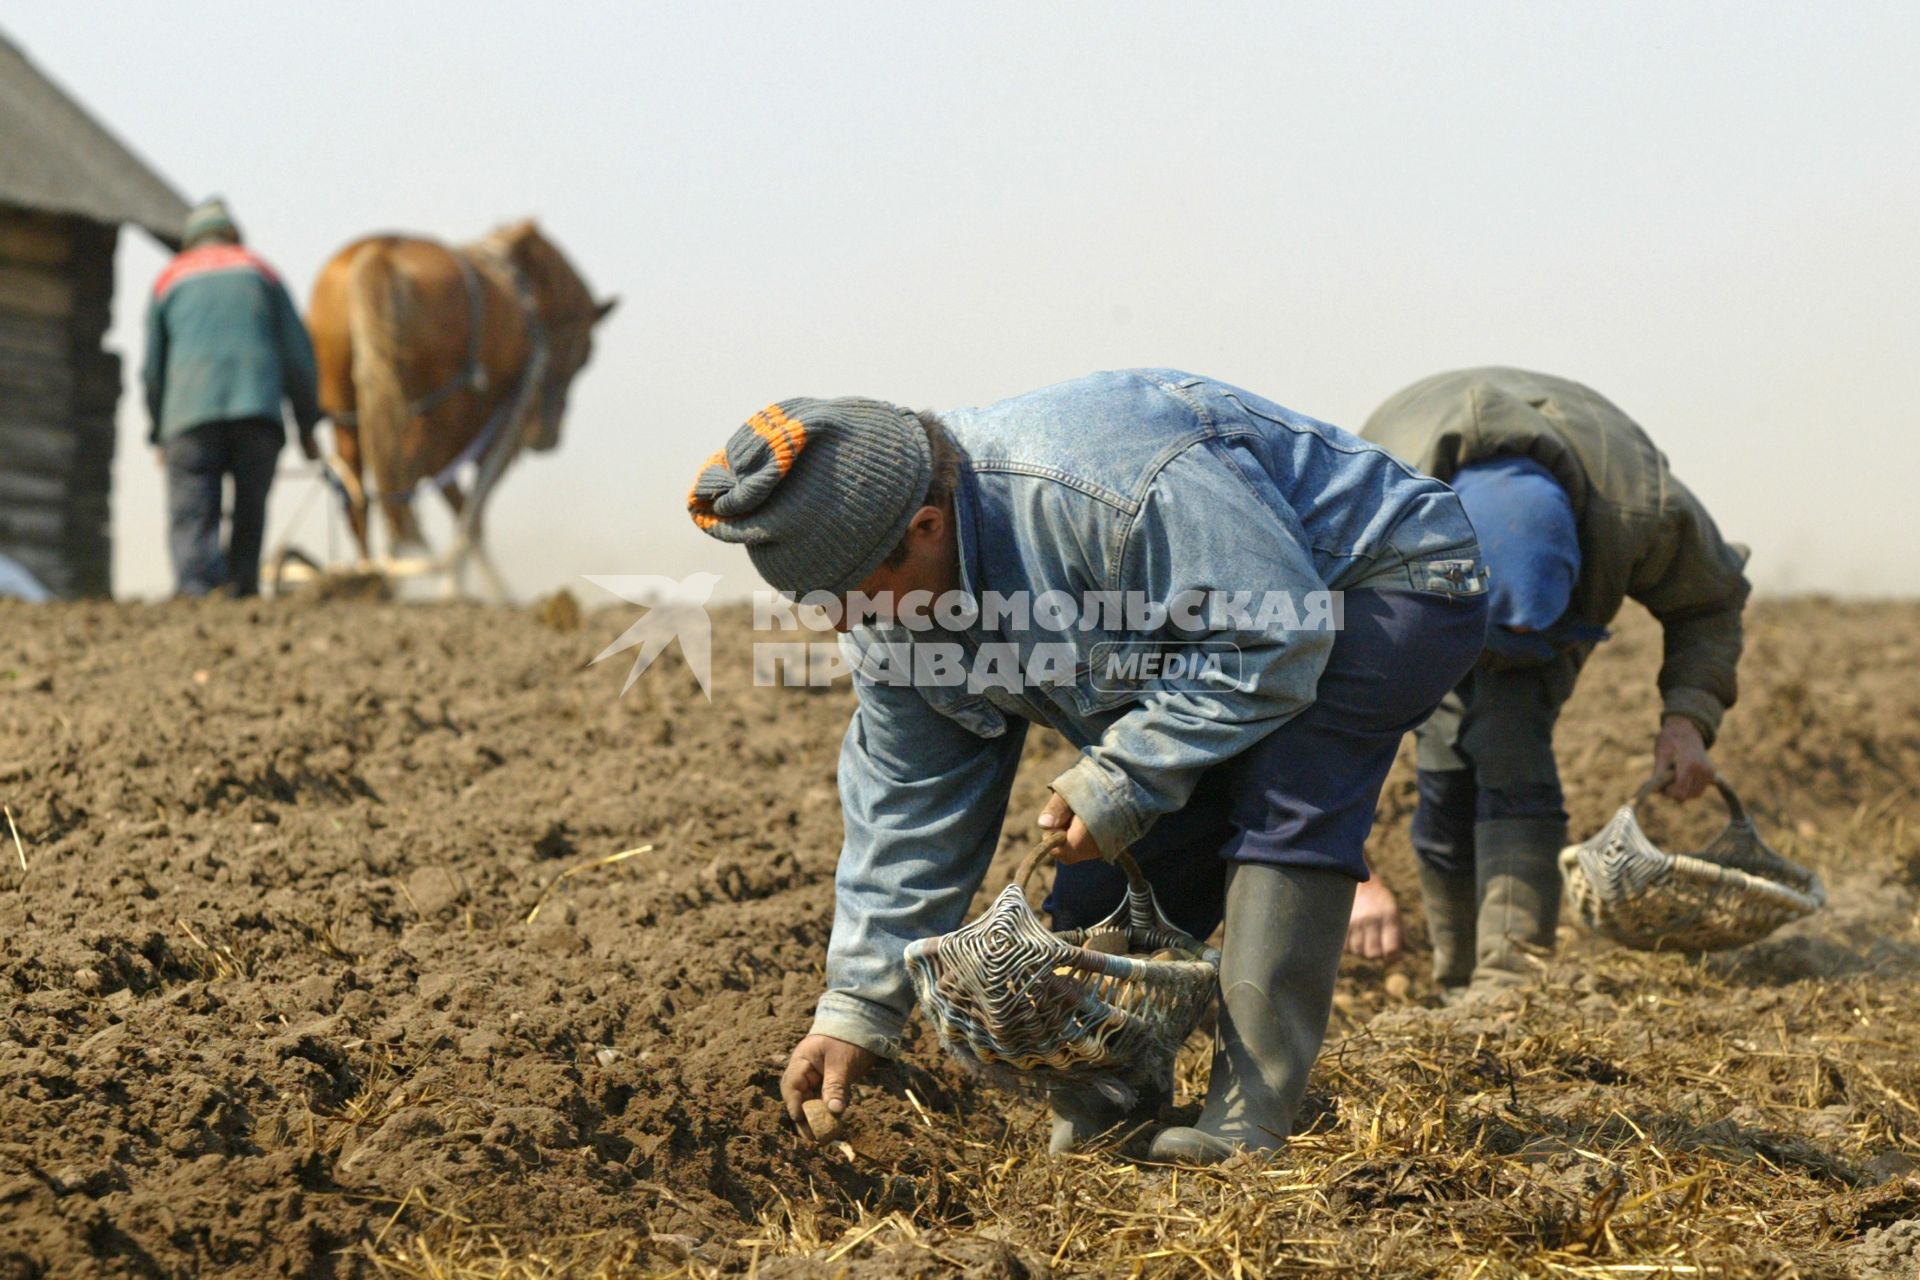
(1081, 1117)
(1452, 902)
(1286, 927)
(1517, 864)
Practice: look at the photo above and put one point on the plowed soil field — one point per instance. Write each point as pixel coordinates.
(277, 1000)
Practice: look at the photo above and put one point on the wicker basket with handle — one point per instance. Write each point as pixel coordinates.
(1735, 891)
(1030, 1008)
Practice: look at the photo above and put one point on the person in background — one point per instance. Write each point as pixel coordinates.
(1575, 510)
(225, 348)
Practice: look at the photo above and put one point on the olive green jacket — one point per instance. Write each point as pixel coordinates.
(1642, 533)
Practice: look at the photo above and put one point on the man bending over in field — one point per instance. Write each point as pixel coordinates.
(1576, 510)
(1245, 794)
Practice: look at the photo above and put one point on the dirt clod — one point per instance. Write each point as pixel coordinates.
(561, 611)
(821, 1122)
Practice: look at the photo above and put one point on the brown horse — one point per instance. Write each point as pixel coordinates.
(433, 357)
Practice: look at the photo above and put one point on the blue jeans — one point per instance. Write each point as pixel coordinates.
(1304, 795)
(198, 463)
(1486, 755)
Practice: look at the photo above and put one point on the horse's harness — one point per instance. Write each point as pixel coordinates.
(472, 375)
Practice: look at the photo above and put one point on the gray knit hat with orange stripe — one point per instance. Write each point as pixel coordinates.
(819, 491)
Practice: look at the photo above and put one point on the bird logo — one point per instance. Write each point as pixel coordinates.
(676, 610)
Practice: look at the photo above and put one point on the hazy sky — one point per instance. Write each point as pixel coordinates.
(1706, 211)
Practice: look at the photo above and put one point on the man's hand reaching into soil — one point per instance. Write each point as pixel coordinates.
(825, 1068)
(1681, 752)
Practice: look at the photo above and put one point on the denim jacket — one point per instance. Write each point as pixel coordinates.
(1150, 485)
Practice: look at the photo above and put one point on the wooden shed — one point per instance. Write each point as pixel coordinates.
(66, 186)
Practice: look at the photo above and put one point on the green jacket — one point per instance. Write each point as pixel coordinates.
(224, 342)
(1642, 533)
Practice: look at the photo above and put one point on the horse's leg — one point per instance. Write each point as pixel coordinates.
(489, 573)
(346, 446)
(469, 544)
(456, 561)
(496, 585)
(330, 325)
(472, 533)
(377, 296)
(408, 551)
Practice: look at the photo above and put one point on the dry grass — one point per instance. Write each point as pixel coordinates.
(19, 850)
(385, 1090)
(211, 960)
(1630, 1115)
(1451, 1151)
(577, 868)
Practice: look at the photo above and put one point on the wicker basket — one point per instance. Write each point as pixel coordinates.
(1733, 892)
(1034, 1009)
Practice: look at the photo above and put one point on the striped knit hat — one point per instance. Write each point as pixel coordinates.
(210, 217)
(820, 491)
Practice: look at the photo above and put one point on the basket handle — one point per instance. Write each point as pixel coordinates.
(1736, 809)
(1143, 909)
(1054, 841)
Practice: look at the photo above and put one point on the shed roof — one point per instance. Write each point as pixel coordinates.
(56, 157)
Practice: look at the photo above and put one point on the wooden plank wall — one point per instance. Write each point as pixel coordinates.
(58, 391)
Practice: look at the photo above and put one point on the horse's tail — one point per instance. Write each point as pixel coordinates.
(375, 313)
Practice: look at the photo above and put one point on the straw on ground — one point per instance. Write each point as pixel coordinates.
(19, 851)
(588, 865)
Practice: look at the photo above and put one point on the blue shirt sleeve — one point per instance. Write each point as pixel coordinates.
(923, 800)
(154, 369)
(1212, 523)
(296, 361)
